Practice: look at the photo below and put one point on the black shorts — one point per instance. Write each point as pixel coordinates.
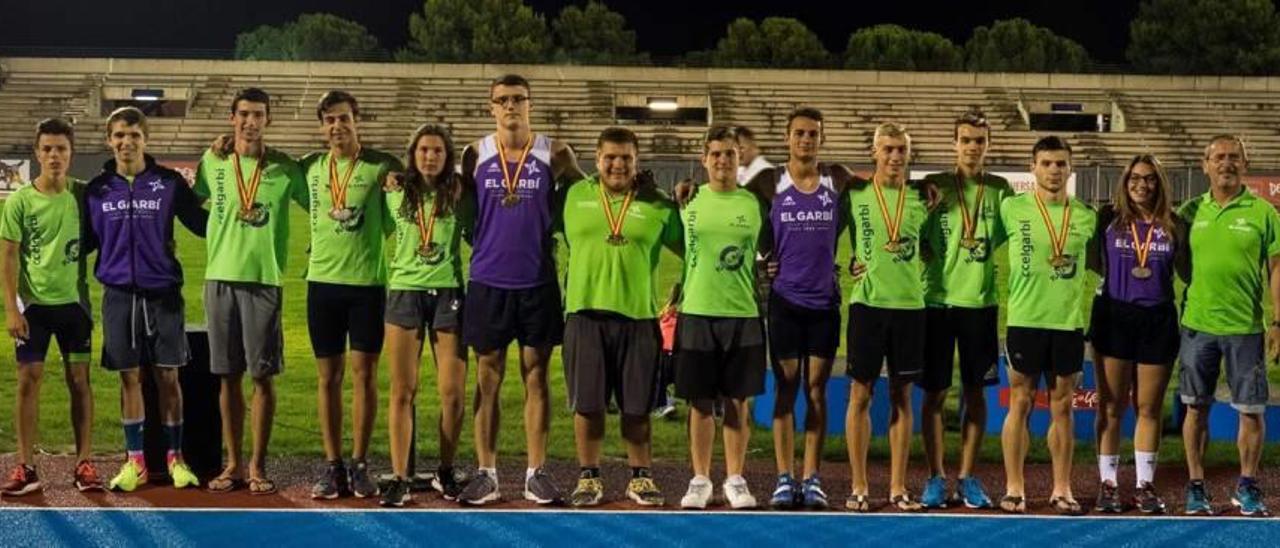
(974, 332)
(533, 317)
(1143, 334)
(1042, 352)
(877, 335)
(797, 332)
(70, 324)
(336, 311)
(610, 356)
(143, 328)
(427, 309)
(719, 357)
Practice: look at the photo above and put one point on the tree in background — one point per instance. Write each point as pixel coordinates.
(777, 42)
(311, 37)
(594, 35)
(891, 47)
(476, 31)
(1016, 45)
(1205, 37)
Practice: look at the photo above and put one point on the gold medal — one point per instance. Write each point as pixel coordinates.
(253, 215)
(1057, 240)
(340, 214)
(969, 243)
(427, 251)
(1142, 250)
(967, 239)
(249, 210)
(892, 224)
(510, 182)
(615, 222)
(1060, 261)
(338, 187)
(893, 246)
(616, 239)
(510, 200)
(427, 228)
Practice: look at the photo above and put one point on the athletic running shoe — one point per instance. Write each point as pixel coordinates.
(737, 493)
(362, 484)
(1198, 501)
(1108, 499)
(935, 492)
(23, 480)
(1147, 500)
(397, 493)
(130, 477)
(785, 494)
(86, 477)
(971, 493)
(481, 490)
(666, 411)
(333, 483)
(698, 495)
(814, 497)
(182, 475)
(446, 482)
(644, 491)
(540, 488)
(589, 492)
(1249, 499)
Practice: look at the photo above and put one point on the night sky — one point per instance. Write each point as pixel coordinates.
(665, 27)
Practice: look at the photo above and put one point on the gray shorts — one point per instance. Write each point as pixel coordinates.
(1202, 355)
(244, 328)
(430, 309)
(143, 328)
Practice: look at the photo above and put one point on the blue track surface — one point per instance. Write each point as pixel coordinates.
(27, 527)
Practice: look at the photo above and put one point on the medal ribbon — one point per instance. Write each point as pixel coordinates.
(338, 187)
(615, 223)
(970, 221)
(1058, 240)
(426, 228)
(249, 193)
(891, 224)
(509, 182)
(1142, 250)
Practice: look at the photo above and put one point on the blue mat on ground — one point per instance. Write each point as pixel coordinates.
(280, 528)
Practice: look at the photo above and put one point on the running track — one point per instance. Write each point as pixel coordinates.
(280, 528)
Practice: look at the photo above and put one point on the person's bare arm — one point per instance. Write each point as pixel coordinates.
(1273, 331)
(15, 323)
(564, 163)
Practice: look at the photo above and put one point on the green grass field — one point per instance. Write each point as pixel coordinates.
(297, 429)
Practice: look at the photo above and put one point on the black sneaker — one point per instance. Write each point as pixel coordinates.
(362, 484)
(332, 484)
(540, 488)
(1109, 499)
(481, 490)
(1147, 500)
(396, 494)
(446, 482)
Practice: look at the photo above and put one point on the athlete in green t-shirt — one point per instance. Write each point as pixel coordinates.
(424, 303)
(45, 297)
(720, 344)
(248, 192)
(1235, 246)
(615, 225)
(346, 284)
(961, 237)
(1048, 233)
(886, 312)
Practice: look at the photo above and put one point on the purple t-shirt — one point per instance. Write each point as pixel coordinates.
(512, 247)
(1122, 257)
(804, 235)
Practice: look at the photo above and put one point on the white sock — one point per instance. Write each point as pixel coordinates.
(1146, 464)
(1107, 466)
(492, 472)
(528, 473)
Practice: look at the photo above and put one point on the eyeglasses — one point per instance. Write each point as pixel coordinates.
(513, 100)
(1150, 178)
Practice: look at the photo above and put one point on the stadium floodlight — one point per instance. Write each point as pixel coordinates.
(663, 104)
(148, 94)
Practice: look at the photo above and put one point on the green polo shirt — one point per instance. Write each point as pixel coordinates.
(1230, 249)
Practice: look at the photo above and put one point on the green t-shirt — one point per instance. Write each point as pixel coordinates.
(1041, 295)
(51, 268)
(1230, 249)
(721, 234)
(441, 267)
(256, 249)
(893, 279)
(616, 278)
(955, 275)
(349, 250)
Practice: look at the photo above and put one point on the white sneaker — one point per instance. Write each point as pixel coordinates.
(698, 495)
(737, 493)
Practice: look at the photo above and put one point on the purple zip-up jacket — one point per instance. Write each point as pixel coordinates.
(131, 225)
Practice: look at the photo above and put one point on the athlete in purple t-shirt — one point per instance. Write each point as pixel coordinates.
(513, 292)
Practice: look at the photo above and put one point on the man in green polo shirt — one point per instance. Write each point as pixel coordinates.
(248, 193)
(611, 342)
(1235, 254)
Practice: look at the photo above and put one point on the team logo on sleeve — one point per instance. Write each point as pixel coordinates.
(730, 259)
